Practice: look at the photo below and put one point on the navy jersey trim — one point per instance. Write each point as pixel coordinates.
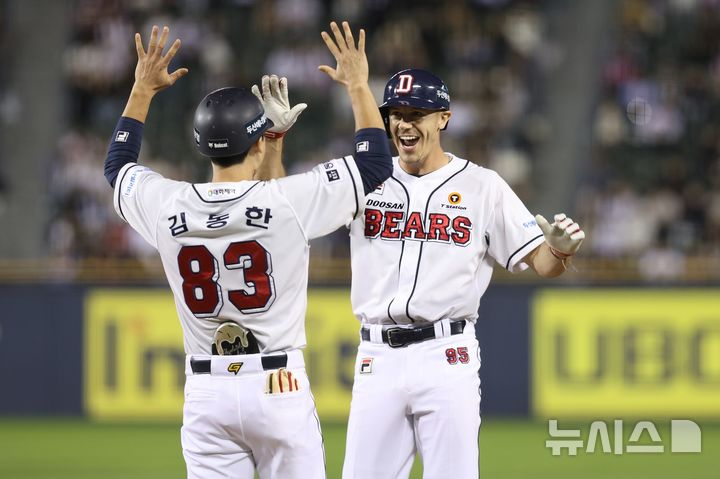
(357, 200)
(402, 248)
(507, 265)
(226, 200)
(427, 206)
(120, 186)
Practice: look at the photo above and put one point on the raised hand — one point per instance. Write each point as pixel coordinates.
(151, 74)
(352, 64)
(276, 103)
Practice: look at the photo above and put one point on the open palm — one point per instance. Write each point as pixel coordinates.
(151, 71)
(352, 64)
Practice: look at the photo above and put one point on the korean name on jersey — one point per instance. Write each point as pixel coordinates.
(239, 251)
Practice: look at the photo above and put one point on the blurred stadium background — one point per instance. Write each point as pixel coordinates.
(608, 110)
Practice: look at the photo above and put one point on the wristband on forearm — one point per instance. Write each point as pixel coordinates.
(124, 147)
(372, 157)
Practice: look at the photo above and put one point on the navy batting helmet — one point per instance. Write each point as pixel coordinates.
(228, 122)
(415, 88)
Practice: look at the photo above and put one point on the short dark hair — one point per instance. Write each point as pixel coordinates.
(228, 161)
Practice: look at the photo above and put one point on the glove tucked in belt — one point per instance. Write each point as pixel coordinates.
(399, 337)
(230, 339)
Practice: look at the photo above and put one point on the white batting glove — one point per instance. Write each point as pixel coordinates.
(275, 101)
(564, 236)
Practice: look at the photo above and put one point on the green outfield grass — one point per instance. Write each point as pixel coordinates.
(78, 449)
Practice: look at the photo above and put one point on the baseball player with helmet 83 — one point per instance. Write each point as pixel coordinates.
(422, 257)
(235, 252)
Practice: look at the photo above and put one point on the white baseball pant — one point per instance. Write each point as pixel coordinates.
(424, 397)
(231, 426)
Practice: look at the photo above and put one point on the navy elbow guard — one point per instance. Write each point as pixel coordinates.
(124, 147)
(372, 156)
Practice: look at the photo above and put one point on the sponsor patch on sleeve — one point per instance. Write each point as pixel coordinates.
(332, 175)
(128, 187)
(122, 136)
(362, 146)
(332, 171)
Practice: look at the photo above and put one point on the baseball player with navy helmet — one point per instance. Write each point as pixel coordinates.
(422, 257)
(235, 252)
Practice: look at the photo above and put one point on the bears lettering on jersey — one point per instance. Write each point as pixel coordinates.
(439, 227)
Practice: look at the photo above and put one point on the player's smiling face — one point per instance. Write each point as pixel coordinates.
(416, 135)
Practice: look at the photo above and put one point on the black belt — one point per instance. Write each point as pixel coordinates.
(202, 366)
(399, 337)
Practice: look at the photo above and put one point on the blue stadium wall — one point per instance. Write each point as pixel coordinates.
(116, 353)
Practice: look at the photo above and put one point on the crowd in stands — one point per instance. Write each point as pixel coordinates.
(651, 189)
(486, 50)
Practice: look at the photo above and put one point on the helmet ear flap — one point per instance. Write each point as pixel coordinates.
(386, 120)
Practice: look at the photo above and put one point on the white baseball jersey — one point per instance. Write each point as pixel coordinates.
(425, 247)
(239, 251)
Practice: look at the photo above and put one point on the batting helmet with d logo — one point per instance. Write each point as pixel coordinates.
(415, 88)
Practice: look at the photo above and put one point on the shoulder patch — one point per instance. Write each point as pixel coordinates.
(128, 188)
(332, 175)
(332, 171)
